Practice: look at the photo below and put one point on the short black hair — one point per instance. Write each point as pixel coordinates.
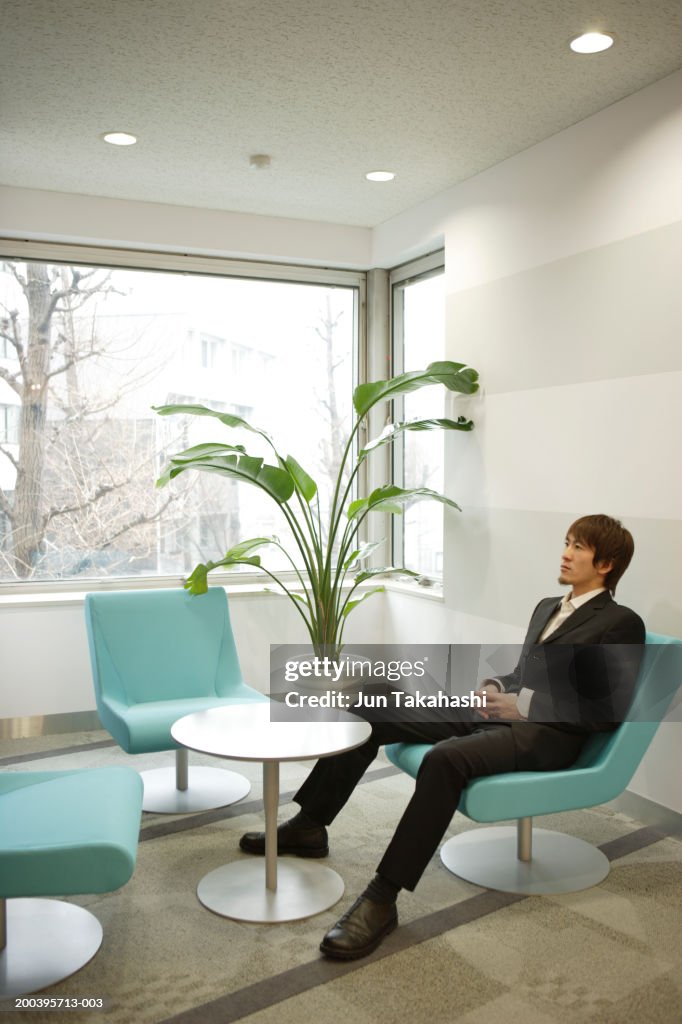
(609, 540)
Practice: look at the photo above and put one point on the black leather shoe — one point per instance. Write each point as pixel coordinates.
(360, 930)
(304, 842)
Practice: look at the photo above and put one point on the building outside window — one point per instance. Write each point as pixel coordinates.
(212, 352)
(77, 490)
(10, 416)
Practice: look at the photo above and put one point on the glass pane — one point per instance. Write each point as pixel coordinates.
(85, 355)
(424, 342)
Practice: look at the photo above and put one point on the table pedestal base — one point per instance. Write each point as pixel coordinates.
(238, 891)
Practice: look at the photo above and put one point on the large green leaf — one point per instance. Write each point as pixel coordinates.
(305, 485)
(247, 468)
(353, 604)
(245, 547)
(363, 550)
(197, 583)
(227, 418)
(454, 376)
(207, 451)
(394, 500)
(386, 570)
(393, 429)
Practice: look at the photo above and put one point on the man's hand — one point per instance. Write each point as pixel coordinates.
(499, 705)
(488, 688)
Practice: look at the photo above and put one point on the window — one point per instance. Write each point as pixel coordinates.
(10, 416)
(212, 352)
(418, 319)
(77, 498)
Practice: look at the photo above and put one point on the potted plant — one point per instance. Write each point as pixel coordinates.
(329, 569)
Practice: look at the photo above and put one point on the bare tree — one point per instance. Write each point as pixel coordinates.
(70, 489)
(333, 443)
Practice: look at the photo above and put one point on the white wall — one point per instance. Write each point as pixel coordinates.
(613, 175)
(563, 289)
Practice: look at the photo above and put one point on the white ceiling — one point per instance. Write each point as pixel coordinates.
(435, 90)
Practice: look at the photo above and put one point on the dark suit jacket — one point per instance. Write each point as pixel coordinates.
(583, 675)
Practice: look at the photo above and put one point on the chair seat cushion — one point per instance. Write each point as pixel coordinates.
(63, 833)
(517, 794)
(145, 728)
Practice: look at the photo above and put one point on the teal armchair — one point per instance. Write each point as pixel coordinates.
(527, 860)
(61, 833)
(156, 656)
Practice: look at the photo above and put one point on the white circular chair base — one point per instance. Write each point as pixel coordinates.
(560, 863)
(47, 940)
(238, 891)
(207, 788)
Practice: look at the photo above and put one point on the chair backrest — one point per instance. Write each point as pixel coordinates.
(148, 645)
(617, 754)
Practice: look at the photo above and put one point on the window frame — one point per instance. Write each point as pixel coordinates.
(399, 278)
(186, 264)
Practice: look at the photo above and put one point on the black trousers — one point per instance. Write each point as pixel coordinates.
(465, 748)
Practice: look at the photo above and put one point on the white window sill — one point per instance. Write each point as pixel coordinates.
(429, 592)
(71, 595)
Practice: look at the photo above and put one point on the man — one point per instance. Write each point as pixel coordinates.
(575, 675)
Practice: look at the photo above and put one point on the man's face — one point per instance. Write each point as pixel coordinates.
(578, 570)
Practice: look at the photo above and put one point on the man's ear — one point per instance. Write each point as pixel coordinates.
(604, 567)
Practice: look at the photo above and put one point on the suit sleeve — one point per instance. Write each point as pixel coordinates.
(512, 682)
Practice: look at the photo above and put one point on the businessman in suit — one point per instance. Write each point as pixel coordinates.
(575, 675)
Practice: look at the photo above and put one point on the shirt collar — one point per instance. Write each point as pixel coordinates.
(577, 602)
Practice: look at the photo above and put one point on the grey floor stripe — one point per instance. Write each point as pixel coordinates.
(632, 842)
(262, 994)
(191, 821)
(57, 752)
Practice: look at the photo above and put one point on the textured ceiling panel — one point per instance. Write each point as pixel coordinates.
(436, 90)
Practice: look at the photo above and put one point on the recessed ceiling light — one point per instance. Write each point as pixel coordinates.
(380, 176)
(120, 138)
(592, 42)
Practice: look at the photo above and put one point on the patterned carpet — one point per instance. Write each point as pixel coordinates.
(608, 955)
